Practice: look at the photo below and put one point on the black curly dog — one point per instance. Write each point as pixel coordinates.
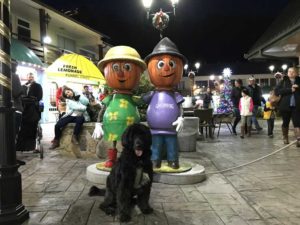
(130, 179)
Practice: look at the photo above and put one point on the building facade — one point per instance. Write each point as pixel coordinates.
(49, 33)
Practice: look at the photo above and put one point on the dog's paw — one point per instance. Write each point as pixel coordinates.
(109, 210)
(125, 218)
(147, 210)
(96, 191)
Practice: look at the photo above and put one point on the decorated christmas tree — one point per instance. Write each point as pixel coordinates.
(225, 105)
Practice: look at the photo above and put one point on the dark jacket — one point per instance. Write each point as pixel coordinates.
(35, 90)
(236, 95)
(207, 100)
(17, 92)
(256, 94)
(284, 89)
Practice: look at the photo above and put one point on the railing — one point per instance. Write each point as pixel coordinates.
(46, 52)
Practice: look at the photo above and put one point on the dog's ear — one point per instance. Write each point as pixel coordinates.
(127, 137)
(146, 134)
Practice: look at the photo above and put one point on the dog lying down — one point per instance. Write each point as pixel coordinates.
(130, 179)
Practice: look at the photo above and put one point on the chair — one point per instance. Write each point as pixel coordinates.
(205, 120)
(223, 119)
(188, 112)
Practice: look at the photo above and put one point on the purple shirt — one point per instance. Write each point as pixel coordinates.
(163, 110)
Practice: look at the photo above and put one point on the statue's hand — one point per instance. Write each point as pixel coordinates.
(98, 131)
(178, 123)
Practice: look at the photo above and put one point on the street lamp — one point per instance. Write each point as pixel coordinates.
(160, 19)
(186, 66)
(284, 67)
(147, 4)
(192, 74)
(271, 68)
(210, 82)
(47, 40)
(197, 66)
(174, 4)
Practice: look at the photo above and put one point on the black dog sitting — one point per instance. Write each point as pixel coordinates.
(130, 180)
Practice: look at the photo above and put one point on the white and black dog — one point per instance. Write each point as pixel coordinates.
(130, 179)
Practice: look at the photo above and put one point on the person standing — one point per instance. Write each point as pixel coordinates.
(33, 93)
(17, 92)
(256, 95)
(33, 89)
(269, 115)
(87, 93)
(289, 105)
(207, 99)
(236, 95)
(246, 111)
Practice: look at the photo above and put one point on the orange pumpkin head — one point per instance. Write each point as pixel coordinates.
(122, 67)
(165, 71)
(122, 75)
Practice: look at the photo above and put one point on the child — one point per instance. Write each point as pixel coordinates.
(246, 108)
(269, 115)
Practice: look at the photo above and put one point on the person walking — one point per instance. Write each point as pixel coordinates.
(236, 95)
(246, 110)
(269, 115)
(289, 105)
(256, 95)
(75, 113)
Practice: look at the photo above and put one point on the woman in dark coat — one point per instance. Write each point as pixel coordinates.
(236, 95)
(289, 105)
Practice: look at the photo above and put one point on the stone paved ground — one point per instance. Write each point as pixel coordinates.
(267, 192)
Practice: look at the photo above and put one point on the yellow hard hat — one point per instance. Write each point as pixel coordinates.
(122, 53)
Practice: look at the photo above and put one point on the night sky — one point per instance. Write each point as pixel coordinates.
(210, 31)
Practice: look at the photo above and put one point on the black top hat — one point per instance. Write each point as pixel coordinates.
(165, 46)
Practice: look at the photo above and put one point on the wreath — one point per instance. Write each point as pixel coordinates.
(160, 20)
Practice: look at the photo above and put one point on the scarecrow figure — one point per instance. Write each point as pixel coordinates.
(122, 67)
(164, 114)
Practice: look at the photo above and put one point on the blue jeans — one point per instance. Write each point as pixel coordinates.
(253, 119)
(237, 116)
(167, 141)
(62, 122)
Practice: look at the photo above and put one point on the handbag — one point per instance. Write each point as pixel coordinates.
(274, 99)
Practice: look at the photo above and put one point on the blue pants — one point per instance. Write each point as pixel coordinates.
(62, 122)
(253, 119)
(167, 141)
(270, 126)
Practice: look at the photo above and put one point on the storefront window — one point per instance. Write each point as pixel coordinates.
(24, 32)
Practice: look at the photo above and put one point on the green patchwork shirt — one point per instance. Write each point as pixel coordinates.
(121, 111)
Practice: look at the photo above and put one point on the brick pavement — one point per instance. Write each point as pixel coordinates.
(267, 192)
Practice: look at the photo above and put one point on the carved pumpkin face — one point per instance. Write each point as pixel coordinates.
(122, 75)
(165, 71)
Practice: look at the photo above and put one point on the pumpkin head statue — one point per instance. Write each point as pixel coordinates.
(122, 67)
(165, 65)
